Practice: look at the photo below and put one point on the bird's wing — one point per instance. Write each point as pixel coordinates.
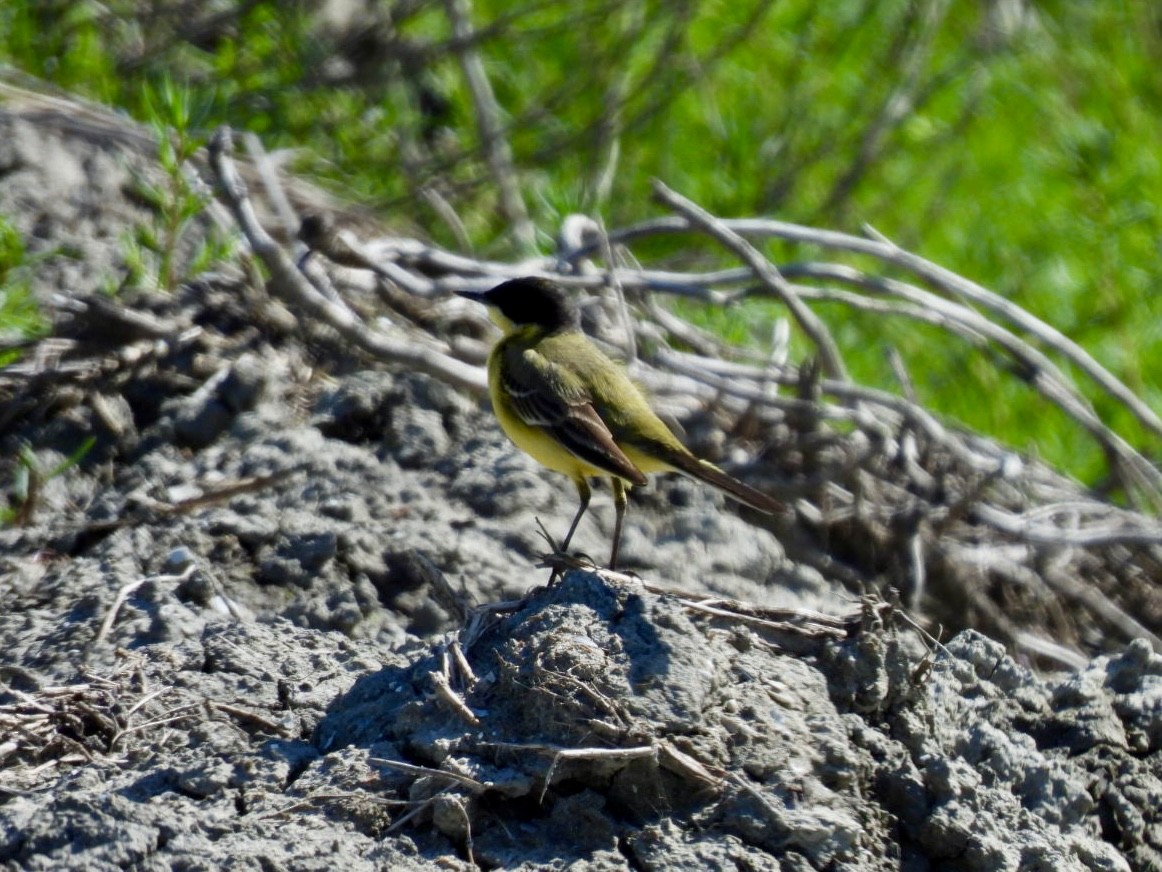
(546, 395)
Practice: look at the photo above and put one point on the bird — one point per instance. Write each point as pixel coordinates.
(572, 408)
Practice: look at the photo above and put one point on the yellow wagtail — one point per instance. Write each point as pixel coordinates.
(573, 409)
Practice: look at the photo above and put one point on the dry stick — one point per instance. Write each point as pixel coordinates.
(178, 714)
(741, 617)
(1073, 508)
(1044, 376)
(451, 699)
(251, 717)
(145, 700)
(1073, 589)
(127, 590)
(412, 165)
(274, 190)
(855, 395)
(474, 786)
(613, 280)
(766, 272)
(289, 282)
(392, 258)
(725, 376)
(227, 491)
(319, 232)
(686, 766)
(430, 259)
(1132, 533)
(903, 378)
(340, 796)
(1049, 650)
(697, 286)
(941, 278)
(668, 324)
(497, 153)
(1037, 369)
(1050, 336)
(419, 809)
(799, 621)
(462, 807)
(447, 213)
(589, 754)
(466, 673)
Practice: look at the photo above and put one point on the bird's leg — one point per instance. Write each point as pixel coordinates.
(620, 501)
(584, 493)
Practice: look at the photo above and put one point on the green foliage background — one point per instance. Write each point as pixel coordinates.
(1016, 143)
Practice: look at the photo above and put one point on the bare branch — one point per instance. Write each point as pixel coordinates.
(765, 271)
(289, 282)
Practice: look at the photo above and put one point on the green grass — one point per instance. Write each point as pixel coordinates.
(29, 477)
(176, 115)
(1024, 156)
(20, 318)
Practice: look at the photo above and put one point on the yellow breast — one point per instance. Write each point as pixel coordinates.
(534, 441)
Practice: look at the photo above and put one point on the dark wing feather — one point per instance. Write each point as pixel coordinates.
(545, 395)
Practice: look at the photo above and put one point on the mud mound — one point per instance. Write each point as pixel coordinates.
(600, 724)
(599, 719)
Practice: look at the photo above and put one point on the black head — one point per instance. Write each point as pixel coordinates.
(531, 301)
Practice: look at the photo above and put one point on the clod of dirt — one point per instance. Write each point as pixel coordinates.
(648, 726)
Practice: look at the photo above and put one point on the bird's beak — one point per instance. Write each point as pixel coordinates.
(475, 296)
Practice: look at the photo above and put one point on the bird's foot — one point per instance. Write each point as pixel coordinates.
(555, 558)
(561, 562)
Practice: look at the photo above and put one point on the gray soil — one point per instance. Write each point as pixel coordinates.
(286, 613)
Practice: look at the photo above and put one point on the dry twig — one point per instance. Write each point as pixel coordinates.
(290, 283)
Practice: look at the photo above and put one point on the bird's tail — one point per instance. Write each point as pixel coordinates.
(712, 475)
